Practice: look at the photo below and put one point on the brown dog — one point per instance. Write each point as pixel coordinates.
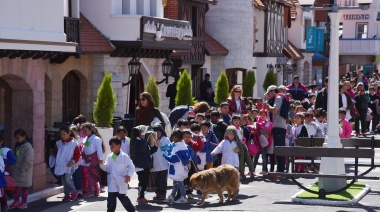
(215, 180)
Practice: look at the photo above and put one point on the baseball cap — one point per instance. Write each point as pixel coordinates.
(270, 88)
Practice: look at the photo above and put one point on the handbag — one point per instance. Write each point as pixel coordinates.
(369, 116)
(253, 148)
(11, 183)
(354, 112)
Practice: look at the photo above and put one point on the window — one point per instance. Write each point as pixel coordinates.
(235, 76)
(361, 30)
(307, 24)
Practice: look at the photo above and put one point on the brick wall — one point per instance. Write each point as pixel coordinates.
(171, 10)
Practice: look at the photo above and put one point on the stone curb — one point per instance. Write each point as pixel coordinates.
(42, 194)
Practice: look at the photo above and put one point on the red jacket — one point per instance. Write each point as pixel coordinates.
(198, 145)
(233, 106)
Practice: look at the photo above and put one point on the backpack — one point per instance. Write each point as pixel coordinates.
(177, 113)
(285, 107)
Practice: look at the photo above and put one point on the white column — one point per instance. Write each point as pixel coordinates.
(333, 165)
(75, 8)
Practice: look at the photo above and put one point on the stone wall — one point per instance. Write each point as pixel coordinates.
(24, 79)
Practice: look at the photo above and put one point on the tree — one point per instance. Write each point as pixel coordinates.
(270, 79)
(184, 94)
(105, 103)
(249, 83)
(152, 88)
(221, 88)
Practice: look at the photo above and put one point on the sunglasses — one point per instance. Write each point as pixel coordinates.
(142, 99)
(237, 91)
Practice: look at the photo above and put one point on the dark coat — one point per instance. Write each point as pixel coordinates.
(349, 101)
(321, 101)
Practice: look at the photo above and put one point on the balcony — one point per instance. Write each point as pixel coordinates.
(72, 29)
(359, 46)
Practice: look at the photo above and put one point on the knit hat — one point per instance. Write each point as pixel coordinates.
(234, 131)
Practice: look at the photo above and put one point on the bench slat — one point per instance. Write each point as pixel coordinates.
(349, 163)
(324, 152)
(306, 175)
(346, 142)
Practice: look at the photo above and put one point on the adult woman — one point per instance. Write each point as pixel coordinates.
(347, 85)
(345, 100)
(146, 112)
(236, 102)
(361, 104)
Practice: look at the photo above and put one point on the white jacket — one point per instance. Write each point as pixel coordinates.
(117, 170)
(229, 156)
(159, 162)
(177, 171)
(64, 156)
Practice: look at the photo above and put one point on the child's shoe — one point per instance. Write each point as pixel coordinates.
(141, 201)
(169, 199)
(181, 200)
(74, 195)
(23, 205)
(88, 194)
(66, 198)
(14, 205)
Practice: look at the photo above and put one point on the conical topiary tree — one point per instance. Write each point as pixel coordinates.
(152, 88)
(270, 79)
(248, 84)
(105, 103)
(184, 94)
(221, 88)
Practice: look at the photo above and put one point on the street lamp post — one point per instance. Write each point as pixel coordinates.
(333, 165)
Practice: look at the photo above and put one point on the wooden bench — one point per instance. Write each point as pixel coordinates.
(324, 152)
(346, 143)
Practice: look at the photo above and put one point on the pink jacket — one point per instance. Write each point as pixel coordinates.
(346, 127)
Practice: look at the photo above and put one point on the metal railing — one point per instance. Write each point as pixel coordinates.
(72, 29)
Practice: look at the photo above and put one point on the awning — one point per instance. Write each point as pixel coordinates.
(319, 56)
(91, 40)
(292, 52)
(213, 47)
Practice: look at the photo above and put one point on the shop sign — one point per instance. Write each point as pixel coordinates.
(168, 30)
(356, 16)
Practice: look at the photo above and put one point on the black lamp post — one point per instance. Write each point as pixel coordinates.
(278, 67)
(134, 68)
(167, 67)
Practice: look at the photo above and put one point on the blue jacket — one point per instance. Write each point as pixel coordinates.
(178, 159)
(210, 145)
(8, 156)
(142, 150)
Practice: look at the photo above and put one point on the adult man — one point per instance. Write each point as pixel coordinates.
(298, 90)
(361, 78)
(207, 93)
(171, 92)
(321, 101)
(279, 123)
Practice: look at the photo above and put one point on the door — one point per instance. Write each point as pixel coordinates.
(70, 96)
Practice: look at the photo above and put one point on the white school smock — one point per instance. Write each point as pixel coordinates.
(125, 145)
(64, 156)
(117, 170)
(95, 146)
(229, 156)
(159, 162)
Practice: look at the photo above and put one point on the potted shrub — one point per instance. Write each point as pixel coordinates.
(152, 88)
(270, 79)
(248, 84)
(103, 109)
(221, 88)
(184, 94)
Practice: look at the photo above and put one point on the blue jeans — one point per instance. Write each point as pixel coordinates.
(67, 181)
(77, 178)
(279, 140)
(178, 185)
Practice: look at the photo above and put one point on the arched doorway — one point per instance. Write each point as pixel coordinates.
(70, 96)
(16, 107)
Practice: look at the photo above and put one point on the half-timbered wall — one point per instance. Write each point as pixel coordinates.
(276, 31)
(195, 13)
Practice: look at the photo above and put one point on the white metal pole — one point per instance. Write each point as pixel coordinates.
(333, 165)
